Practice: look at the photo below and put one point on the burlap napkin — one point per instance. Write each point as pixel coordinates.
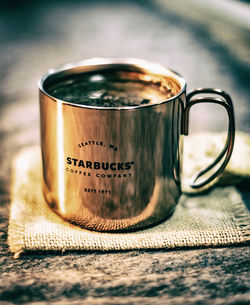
(218, 218)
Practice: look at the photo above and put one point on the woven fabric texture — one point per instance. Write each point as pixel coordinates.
(218, 218)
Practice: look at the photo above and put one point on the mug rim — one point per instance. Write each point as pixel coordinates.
(94, 64)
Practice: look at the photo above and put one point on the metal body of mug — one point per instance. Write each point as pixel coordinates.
(119, 168)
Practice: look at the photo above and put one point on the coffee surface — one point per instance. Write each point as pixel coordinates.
(113, 90)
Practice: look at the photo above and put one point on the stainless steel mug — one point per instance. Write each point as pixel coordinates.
(118, 168)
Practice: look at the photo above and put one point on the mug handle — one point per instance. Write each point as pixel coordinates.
(226, 102)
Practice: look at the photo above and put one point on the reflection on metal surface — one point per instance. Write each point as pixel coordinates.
(226, 102)
(112, 168)
(60, 154)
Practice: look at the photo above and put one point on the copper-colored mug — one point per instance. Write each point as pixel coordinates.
(118, 168)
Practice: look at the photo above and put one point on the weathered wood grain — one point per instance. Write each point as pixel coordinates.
(37, 35)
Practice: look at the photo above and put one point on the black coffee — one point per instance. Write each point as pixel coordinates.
(113, 89)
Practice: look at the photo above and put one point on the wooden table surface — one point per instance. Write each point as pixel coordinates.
(209, 46)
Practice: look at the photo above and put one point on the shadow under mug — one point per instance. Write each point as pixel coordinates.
(116, 169)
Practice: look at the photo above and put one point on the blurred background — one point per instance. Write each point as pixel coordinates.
(207, 42)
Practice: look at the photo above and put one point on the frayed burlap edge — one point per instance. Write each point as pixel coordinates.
(25, 209)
